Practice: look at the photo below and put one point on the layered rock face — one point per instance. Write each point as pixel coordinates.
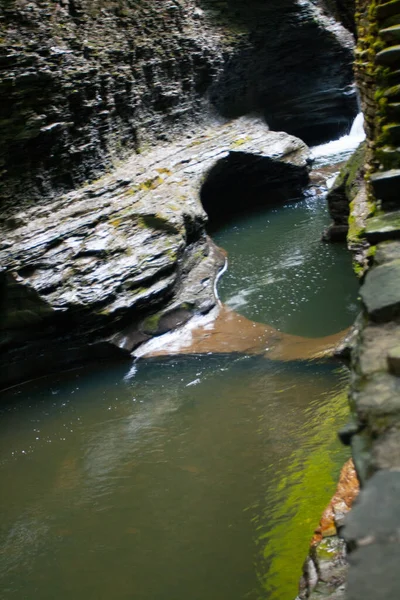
(84, 82)
(95, 272)
(281, 70)
(107, 267)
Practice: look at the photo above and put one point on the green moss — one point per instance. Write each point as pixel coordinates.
(351, 174)
(240, 142)
(305, 490)
(164, 171)
(151, 323)
(358, 269)
(150, 184)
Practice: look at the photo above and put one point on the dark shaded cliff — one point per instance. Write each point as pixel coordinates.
(86, 82)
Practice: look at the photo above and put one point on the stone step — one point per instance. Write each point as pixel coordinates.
(380, 293)
(389, 56)
(388, 9)
(383, 227)
(393, 110)
(393, 77)
(393, 93)
(389, 22)
(388, 156)
(390, 34)
(392, 134)
(386, 186)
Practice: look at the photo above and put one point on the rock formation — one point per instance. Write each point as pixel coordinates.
(85, 82)
(92, 269)
(105, 268)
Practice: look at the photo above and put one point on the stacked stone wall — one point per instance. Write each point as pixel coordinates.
(372, 529)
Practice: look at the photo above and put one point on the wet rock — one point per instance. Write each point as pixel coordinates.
(343, 12)
(335, 233)
(388, 57)
(239, 179)
(383, 227)
(225, 331)
(325, 570)
(346, 492)
(372, 529)
(390, 34)
(381, 292)
(386, 252)
(344, 190)
(125, 258)
(393, 360)
(386, 185)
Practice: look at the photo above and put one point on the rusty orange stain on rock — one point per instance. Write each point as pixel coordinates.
(346, 492)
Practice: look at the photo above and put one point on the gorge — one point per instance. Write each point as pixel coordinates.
(134, 137)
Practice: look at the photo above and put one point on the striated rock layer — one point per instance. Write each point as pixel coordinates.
(107, 267)
(84, 82)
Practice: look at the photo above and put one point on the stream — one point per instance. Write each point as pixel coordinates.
(196, 476)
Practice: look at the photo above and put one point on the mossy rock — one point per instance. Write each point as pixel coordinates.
(351, 174)
(346, 186)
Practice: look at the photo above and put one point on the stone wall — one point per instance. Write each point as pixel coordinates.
(372, 529)
(87, 82)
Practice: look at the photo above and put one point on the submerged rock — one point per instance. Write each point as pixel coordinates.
(225, 331)
(111, 265)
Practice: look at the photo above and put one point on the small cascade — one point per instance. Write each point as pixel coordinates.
(342, 148)
(357, 129)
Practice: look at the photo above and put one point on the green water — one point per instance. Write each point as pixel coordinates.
(281, 274)
(196, 477)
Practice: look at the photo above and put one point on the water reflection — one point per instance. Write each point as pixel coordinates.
(183, 481)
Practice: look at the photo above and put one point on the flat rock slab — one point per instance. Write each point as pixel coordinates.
(374, 343)
(381, 292)
(386, 252)
(373, 527)
(383, 227)
(390, 34)
(386, 185)
(101, 259)
(389, 56)
(388, 9)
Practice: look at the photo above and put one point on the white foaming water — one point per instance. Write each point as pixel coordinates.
(342, 147)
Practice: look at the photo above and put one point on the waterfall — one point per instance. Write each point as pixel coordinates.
(357, 129)
(344, 146)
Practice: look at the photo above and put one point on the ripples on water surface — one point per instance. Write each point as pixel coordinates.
(199, 478)
(281, 274)
(196, 477)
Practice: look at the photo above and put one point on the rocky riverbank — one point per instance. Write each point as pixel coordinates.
(107, 267)
(370, 204)
(326, 569)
